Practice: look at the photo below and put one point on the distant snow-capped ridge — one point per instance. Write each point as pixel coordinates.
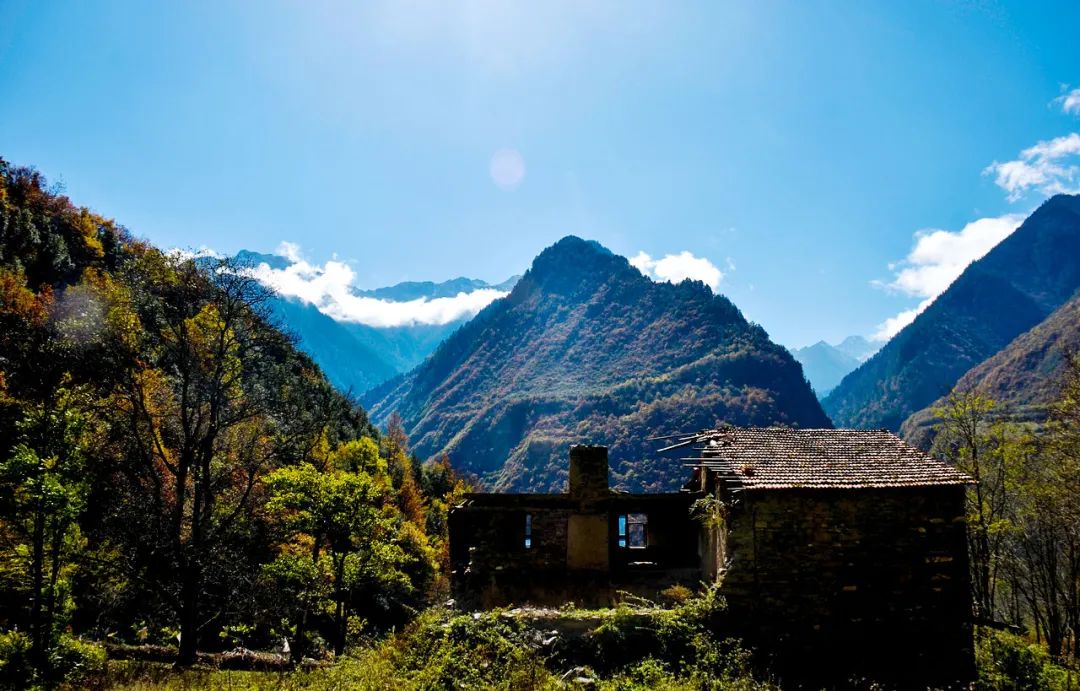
(330, 287)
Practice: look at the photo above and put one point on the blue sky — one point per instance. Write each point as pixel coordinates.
(806, 151)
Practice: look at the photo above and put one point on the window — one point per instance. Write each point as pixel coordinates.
(633, 530)
(528, 531)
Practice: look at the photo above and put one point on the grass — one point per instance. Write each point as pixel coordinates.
(624, 649)
(620, 649)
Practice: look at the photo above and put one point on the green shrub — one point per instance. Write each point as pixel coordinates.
(675, 595)
(74, 659)
(486, 650)
(16, 672)
(636, 648)
(1007, 662)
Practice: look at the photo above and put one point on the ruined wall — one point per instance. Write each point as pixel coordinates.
(574, 555)
(863, 581)
(490, 565)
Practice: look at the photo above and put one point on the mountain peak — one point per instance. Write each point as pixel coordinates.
(1067, 201)
(574, 251)
(274, 261)
(572, 265)
(573, 243)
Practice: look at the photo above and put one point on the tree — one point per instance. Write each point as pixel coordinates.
(1062, 451)
(443, 489)
(404, 471)
(202, 413)
(44, 490)
(338, 517)
(973, 438)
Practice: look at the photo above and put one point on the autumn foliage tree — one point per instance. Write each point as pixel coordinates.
(202, 414)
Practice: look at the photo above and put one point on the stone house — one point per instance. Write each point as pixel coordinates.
(834, 549)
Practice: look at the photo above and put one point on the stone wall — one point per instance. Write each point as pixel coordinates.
(870, 582)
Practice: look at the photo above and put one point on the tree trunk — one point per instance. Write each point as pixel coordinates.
(189, 618)
(300, 644)
(37, 578)
(339, 644)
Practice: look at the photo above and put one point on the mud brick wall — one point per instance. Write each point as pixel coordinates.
(821, 578)
(490, 563)
(495, 539)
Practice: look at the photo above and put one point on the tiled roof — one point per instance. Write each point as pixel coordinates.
(754, 458)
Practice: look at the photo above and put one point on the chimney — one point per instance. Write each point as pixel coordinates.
(588, 472)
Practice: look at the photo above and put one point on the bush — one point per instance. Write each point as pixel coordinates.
(472, 651)
(16, 672)
(1009, 662)
(675, 595)
(635, 647)
(72, 661)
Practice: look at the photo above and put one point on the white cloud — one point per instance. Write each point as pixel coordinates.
(677, 267)
(936, 260)
(1070, 102)
(939, 256)
(203, 252)
(1050, 167)
(289, 250)
(329, 287)
(894, 325)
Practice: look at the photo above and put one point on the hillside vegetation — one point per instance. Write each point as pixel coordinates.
(173, 471)
(586, 349)
(1010, 290)
(1024, 377)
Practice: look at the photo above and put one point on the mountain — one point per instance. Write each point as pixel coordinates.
(857, 347)
(415, 290)
(350, 363)
(587, 350)
(1010, 290)
(825, 364)
(1024, 376)
(355, 356)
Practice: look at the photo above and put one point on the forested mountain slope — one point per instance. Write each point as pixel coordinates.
(352, 364)
(1010, 290)
(1025, 376)
(587, 350)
